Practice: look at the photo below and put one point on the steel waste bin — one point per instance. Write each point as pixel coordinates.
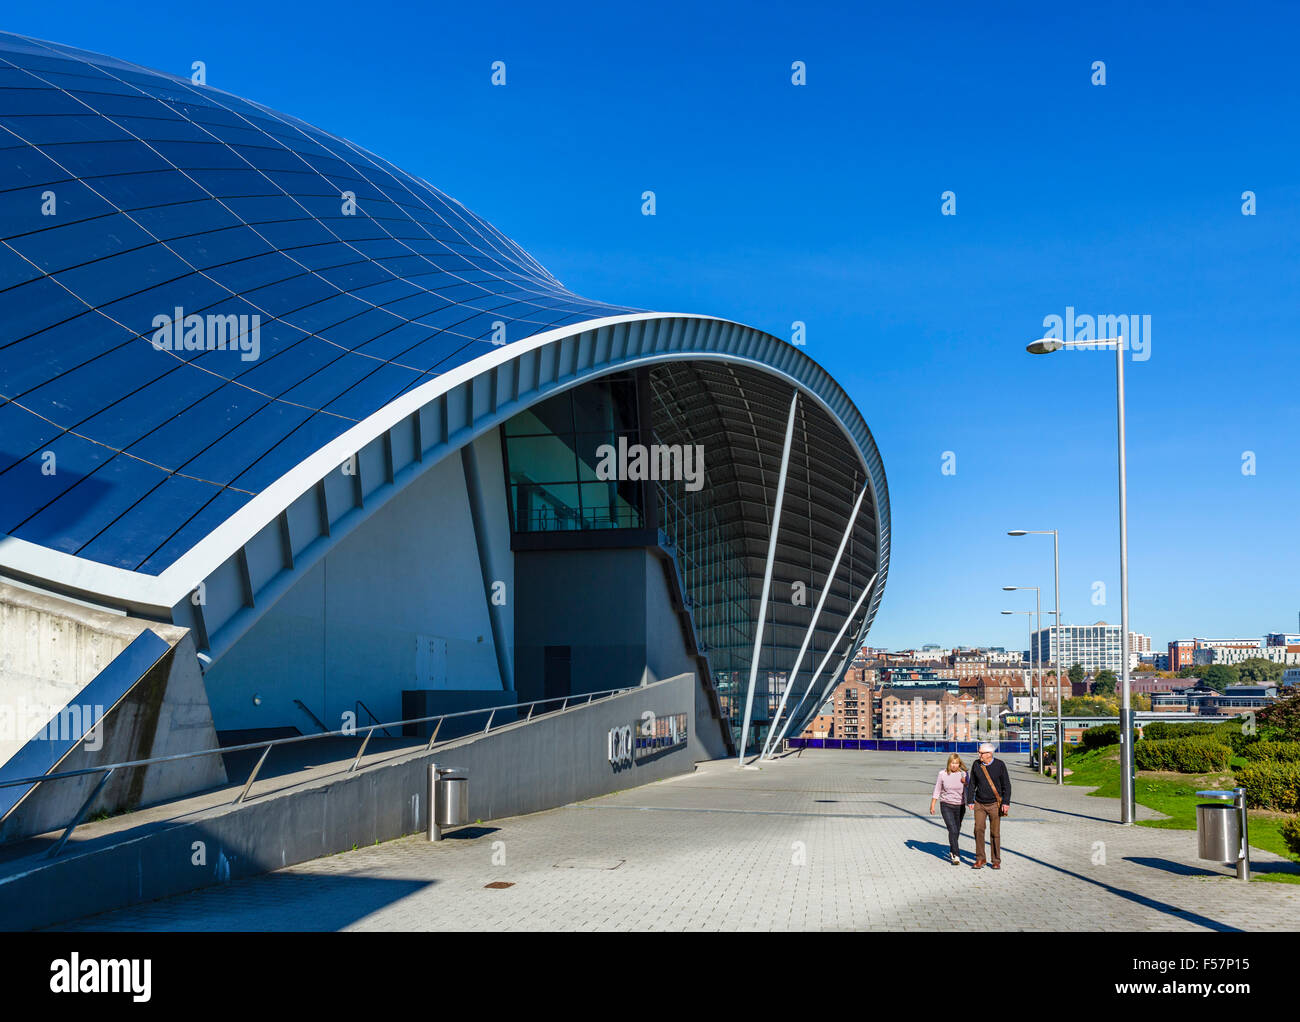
(1218, 832)
(453, 801)
(448, 799)
(1223, 829)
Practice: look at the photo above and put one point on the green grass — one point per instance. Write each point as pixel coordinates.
(1174, 795)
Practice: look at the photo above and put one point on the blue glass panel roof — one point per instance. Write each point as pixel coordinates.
(127, 195)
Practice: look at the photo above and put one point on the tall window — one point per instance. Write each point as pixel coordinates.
(553, 451)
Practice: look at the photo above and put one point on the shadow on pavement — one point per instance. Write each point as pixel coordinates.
(468, 833)
(1179, 868)
(1119, 892)
(1275, 868)
(1066, 812)
(272, 902)
(939, 851)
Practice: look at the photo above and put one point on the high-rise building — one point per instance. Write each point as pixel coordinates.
(1096, 646)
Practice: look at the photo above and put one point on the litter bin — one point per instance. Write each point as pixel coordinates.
(448, 799)
(1218, 832)
(1222, 830)
(453, 801)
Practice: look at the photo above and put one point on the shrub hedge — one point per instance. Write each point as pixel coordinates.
(1159, 730)
(1291, 834)
(1271, 785)
(1195, 755)
(1096, 737)
(1272, 752)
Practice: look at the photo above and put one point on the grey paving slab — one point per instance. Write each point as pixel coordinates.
(829, 840)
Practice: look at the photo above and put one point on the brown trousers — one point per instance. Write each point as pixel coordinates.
(993, 812)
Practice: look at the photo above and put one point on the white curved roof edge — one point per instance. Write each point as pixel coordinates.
(177, 581)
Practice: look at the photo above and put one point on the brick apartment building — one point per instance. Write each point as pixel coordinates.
(915, 712)
(821, 726)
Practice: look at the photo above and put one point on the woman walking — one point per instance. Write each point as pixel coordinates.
(948, 789)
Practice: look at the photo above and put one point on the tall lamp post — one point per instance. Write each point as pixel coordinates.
(1056, 641)
(1045, 346)
(1036, 663)
(1031, 677)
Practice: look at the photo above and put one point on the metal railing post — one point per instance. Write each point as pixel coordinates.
(1243, 855)
(489, 723)
(435, 831)
(434, 737)
(81, 813)
(361, 752)
(253, 776)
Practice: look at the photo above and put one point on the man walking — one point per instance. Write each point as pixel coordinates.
(988, 793)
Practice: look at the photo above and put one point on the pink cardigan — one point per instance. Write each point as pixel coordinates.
(948, 786)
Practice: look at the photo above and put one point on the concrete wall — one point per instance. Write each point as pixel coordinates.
(50, 649)
(165, 713)
(593, 601)
(349, 629)
(522, 768)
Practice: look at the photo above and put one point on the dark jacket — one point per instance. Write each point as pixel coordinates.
(977, 787)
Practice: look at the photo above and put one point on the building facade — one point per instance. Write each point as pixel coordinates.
(910, 713)
(1097, 647)
(359, 448)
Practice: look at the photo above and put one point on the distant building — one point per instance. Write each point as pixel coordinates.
(821, 726)
(1182, 654)
(851, 710)
(1288, 639)
(1232, 655)
(1202, 700)
(1097, 647)
(914, 676)
(926, 713)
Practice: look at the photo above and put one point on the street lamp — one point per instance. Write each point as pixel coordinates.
(1045, 346)
(1030, 613)
(1056, 642)
(1034, 659)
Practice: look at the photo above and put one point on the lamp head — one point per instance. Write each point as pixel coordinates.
(1018, 532)
(1009, 589)
(1044, 346)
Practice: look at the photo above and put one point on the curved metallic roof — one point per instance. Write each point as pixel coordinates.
(170, 195)
(394, 332)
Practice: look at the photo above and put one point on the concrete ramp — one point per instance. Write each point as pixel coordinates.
(80, 687)
(517, 768)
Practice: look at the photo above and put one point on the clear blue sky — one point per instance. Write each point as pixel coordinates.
(822, 203)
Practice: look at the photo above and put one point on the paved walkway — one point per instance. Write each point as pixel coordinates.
(829, 840)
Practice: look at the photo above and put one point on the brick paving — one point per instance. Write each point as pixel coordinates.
(826, 841)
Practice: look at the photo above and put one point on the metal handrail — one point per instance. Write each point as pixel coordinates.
(371, 714)
(108, 768)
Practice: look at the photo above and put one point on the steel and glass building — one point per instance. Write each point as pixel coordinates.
(1096, 647)
(261, 384)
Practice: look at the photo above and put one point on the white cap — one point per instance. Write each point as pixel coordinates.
(986, 747)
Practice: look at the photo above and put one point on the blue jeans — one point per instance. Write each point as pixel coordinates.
(952, 817)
